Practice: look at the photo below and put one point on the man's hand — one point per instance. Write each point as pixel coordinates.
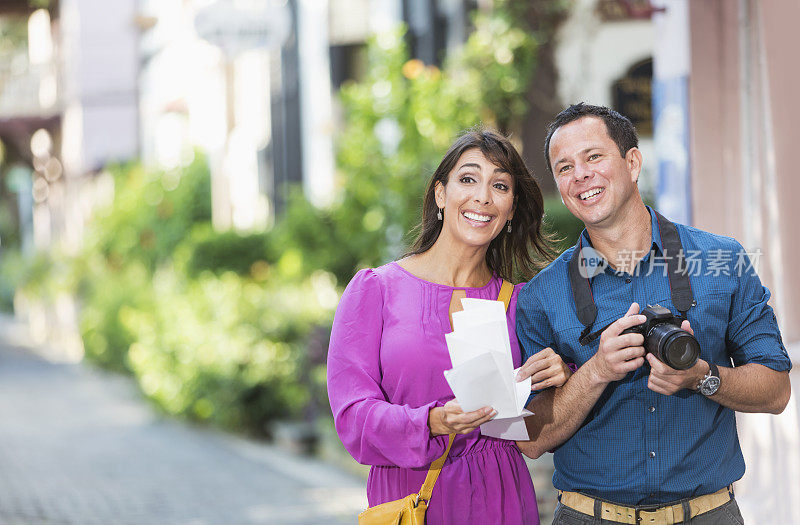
(450, 419)
(546, 369)
(666, 380)
(619, 354)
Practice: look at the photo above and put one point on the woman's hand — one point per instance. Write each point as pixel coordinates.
(450, 419)
(546, 369)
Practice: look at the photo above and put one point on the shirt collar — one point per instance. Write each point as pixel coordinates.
(657, 243)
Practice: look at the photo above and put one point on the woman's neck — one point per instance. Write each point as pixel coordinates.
(451, 265)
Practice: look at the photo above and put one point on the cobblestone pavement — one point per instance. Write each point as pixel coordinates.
(81, 446)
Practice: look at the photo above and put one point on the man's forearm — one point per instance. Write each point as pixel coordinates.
(559, 412)
(753, 388)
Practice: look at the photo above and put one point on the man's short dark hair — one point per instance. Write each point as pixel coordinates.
(619, 127)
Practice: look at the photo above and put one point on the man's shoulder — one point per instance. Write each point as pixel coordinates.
(550, 275)
(695, 238)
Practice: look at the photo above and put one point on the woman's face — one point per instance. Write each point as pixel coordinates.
(477, 200)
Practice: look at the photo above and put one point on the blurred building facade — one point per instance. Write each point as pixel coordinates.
(68, 106)
(264, 108)
(743, 116)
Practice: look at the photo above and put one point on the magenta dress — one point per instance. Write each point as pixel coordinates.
(385, 364)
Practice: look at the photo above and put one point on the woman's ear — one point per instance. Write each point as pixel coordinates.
(439, 193)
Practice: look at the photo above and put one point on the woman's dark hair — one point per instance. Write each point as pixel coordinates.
(517, 254)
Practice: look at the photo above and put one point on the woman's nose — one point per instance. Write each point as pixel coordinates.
(483, 194)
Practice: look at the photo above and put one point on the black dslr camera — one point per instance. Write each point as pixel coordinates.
(665, 339)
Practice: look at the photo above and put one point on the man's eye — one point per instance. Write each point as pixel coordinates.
(564, 168)
(594, 156)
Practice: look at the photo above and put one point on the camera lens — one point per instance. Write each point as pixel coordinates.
(673, 346)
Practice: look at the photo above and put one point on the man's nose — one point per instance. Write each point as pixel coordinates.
(582, 171)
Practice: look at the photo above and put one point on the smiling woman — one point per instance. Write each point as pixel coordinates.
(481, 226)
(484, 170)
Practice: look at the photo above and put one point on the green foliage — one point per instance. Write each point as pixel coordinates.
(108, 296)
(559, 219)
(399, 122)
(209, 250)
(226, 349)
(211, 324)
(151, 213)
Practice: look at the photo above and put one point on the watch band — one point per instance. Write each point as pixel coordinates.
(710, 383)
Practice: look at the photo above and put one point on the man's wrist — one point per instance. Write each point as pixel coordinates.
(592, 374)
(701, 371)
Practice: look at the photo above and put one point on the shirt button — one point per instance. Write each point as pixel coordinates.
(652, 409)
(627, 280)
(652, 495)
(652, 454)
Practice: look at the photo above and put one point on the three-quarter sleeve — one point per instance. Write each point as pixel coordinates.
(373, 430)
(752, 335)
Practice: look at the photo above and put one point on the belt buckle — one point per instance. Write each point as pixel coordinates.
(637, 510)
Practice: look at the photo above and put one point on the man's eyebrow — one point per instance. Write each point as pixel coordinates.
(581, 152)
(473, 165)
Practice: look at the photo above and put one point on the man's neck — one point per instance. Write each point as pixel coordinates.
(626, 240)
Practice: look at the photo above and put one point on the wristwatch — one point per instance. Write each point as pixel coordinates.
(710, 383)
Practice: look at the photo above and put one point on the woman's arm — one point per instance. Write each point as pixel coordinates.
(374, 431)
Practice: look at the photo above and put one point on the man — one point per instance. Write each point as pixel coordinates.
(640, 441)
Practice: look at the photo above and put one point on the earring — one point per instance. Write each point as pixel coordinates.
(509, 227)
(439, 214)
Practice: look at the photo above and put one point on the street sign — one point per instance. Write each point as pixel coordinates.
(237, 25)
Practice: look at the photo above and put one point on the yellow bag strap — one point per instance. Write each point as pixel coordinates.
(505, 293)
(433, 473)
(436, 467)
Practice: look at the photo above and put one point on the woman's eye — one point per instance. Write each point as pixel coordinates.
(501, 186)
(465, 179)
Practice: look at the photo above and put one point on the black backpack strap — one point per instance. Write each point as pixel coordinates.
(679, 285)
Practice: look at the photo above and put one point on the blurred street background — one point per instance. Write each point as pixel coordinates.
(186, 186)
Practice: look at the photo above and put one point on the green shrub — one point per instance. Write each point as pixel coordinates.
(226, 349)
(218, 252)
(151, 213)
(110, 294)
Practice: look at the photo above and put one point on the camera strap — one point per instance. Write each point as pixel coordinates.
(677, 273)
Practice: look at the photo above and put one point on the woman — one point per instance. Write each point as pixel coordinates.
(392, 407)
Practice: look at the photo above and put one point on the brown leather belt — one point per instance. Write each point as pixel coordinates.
(667, 515)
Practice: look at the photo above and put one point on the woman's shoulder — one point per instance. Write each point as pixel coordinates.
(372, 279)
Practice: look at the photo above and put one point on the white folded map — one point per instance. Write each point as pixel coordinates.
(483, 373)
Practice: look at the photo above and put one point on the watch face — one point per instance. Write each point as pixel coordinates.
(709, 386)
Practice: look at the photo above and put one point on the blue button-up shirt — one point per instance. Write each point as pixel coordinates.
(638, 447)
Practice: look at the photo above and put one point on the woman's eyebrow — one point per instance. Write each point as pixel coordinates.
(473, 165)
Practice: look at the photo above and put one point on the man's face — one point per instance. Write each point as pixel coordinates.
(595, 182)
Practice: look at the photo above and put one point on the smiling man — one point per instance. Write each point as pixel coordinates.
(640, 441)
